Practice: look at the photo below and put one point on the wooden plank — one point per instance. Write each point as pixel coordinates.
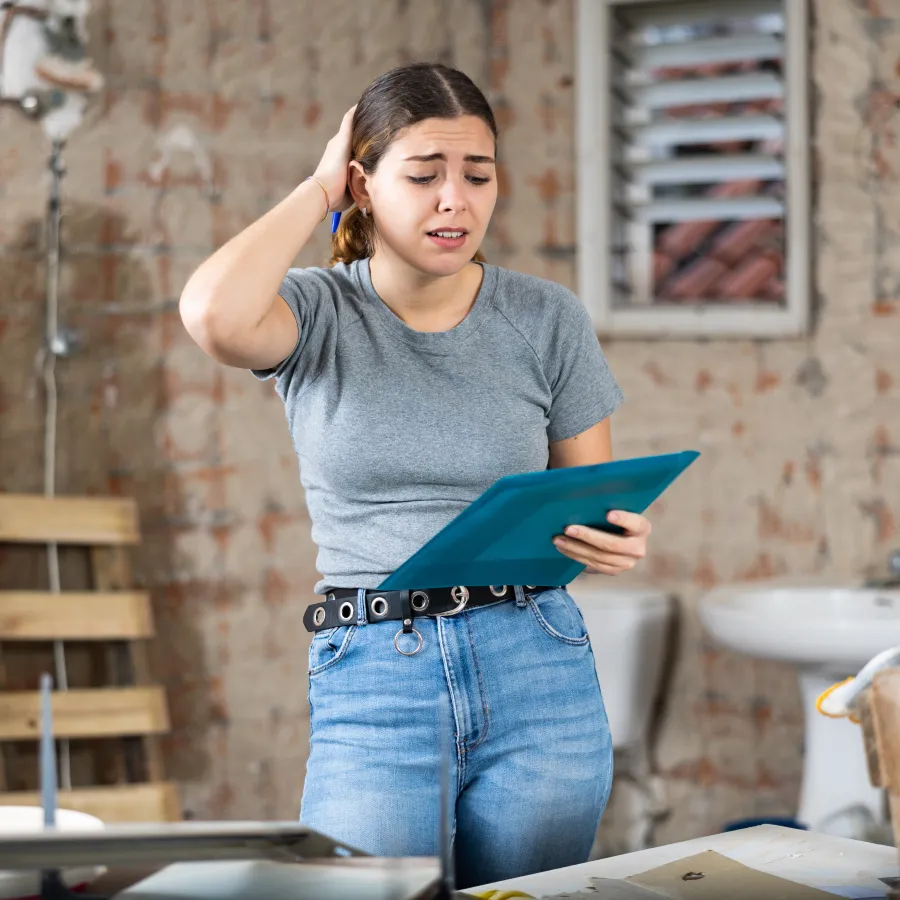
(110, 661)
(140, 664)
(157, 802)
(6, 753)
(111, 568)
(111, 571)
(75, 616)
(86, 713)
(34, 519)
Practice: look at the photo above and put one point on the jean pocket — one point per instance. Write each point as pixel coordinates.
(558, 615)
(329, 647)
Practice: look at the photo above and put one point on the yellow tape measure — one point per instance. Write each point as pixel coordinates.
(503, 895)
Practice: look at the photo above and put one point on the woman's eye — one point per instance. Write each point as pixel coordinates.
(427, 179)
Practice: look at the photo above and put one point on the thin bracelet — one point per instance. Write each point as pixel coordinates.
(327, 201)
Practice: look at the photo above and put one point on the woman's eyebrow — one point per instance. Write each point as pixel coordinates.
(430, 157)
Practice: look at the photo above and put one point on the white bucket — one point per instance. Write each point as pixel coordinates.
(19, 884)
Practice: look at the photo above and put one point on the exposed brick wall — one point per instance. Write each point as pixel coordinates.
(800, 471)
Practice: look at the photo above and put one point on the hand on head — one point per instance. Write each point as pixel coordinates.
(333, 168)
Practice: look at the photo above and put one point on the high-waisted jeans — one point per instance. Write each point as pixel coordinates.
(531, 769)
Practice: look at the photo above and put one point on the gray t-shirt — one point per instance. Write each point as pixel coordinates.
(398, 430)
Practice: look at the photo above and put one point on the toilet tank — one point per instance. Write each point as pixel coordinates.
(629, 630)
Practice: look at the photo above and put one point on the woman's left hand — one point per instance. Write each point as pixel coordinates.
(604, 553)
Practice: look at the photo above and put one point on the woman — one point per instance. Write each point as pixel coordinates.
(414, 375)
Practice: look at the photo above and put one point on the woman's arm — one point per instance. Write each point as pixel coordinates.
(230, 305)
(585, 449)
(603, 553)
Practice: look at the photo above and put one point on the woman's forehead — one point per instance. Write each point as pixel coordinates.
(462, 136)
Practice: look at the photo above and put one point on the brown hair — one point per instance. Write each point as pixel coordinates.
(398, 99)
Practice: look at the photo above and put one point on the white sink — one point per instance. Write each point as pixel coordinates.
(829, 633)
(835, 629)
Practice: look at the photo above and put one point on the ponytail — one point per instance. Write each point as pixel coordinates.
(355, 239)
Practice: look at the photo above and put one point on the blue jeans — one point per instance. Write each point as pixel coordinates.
(533, 756)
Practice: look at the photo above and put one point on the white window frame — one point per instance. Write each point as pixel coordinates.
(595, 208)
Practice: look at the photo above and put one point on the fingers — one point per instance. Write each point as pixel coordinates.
(631, 522)
(603, 570)
(332, 170)
(605, 553)
(347, 121)
(624, 545)
(344, 133)
(597, 560)
(341, 137)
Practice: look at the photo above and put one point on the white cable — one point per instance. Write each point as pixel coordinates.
(50, 427)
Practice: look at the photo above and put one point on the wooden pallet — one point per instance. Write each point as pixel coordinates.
(128, 712)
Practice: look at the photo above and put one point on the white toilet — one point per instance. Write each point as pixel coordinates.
(628, 630)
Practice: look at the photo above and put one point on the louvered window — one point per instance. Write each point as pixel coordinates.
(694, 209)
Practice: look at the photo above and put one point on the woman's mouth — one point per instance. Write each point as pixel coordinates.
(449, 238)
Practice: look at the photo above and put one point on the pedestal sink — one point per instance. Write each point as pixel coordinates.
(829, 633)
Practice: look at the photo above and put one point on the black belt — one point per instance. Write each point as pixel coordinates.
(339, 606)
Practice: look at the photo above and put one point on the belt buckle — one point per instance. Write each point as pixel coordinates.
(460, 594)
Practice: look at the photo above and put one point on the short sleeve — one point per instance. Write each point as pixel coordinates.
(584, 390)
(307, 294)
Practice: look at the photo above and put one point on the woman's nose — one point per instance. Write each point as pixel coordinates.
(453, 195)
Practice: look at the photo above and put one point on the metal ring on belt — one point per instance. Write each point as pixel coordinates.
(339, 606)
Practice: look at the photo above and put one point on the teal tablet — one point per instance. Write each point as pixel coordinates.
(506, 535)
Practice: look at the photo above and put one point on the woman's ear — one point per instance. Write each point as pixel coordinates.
(356, 183)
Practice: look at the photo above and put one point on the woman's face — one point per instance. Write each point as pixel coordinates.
(433, 193)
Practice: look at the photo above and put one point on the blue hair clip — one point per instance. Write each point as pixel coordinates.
(335, 219)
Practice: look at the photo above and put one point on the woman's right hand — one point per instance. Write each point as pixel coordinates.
(332, 170)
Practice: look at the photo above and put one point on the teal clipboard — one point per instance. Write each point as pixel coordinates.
(505, 536)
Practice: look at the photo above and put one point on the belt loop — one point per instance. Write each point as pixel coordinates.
(362, 617)
(407, 612)
(521, 599)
